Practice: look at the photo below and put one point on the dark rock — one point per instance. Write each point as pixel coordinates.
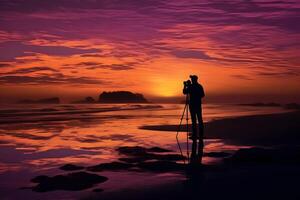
(164, 157)
(254, 155)
(158, 150)
(141, 154)
(121, 97)
(39, 179)
(137, 157)
(132, 151)
(25, 188)
(217, 154)
(110, 166)
(71, 167)
(161, 166)
(167, 157)
(261, 155)
(137, 150)
(72, 182)
(98, 190)
(133, 159)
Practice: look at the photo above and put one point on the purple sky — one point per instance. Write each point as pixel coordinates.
(236, 47)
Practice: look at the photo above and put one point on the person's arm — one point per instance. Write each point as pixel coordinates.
(185, 90)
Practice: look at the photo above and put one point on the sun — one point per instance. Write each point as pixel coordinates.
(166, 88)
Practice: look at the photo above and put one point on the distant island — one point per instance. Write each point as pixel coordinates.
(52, 100)
(87, 100)
(121, 97)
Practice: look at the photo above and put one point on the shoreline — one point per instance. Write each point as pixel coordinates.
(254, 168)
(277, 128)
(249, 173)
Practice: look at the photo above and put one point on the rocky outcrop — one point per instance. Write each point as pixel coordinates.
(121, 97)
(72, 182)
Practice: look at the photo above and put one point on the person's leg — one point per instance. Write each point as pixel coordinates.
(200, 149)
(201, 133)
(194, 122)
(194, 135)
(200, 123)
(194, 157)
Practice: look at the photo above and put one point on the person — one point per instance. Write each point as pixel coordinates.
(196, 93)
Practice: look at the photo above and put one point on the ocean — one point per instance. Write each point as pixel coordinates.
(38, 139)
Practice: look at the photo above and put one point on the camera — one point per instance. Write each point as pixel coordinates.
(187, 83)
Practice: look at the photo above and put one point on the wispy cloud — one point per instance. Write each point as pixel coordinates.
(191, 54)
(57, 78)
(243, 77)
(29, 70)
(97, 65)
(4, 65)
(142, 38)
(14, 49)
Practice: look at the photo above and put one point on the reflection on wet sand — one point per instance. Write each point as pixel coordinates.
(50, 137)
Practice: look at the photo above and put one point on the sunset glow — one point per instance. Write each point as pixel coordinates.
(149, 99)
(76, 49)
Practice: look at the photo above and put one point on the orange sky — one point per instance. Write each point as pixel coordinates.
(77, 51)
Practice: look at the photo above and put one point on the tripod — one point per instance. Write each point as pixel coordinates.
(185, 111)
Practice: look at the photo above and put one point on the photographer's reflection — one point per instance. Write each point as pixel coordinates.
(196, 93)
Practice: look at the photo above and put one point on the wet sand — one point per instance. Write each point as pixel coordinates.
(234, 182)
(268, 172)
(270, 129)
(46, 157)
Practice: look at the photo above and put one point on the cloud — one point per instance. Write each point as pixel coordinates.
(90, 55)
(116, 67)
(243, 77)
(30, 6)
(5, 65)
(240, 34)
(286, 73)
(191, 54)
(28, 136)
(14, 49)
(271, 13)
(98, 65)
(57, 78)
(29, 70)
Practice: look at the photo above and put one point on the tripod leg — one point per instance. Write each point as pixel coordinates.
(182, 116)
(185, 107)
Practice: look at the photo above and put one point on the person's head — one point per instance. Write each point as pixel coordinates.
(194, 79)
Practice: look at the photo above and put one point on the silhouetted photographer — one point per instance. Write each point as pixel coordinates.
(195, 93)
